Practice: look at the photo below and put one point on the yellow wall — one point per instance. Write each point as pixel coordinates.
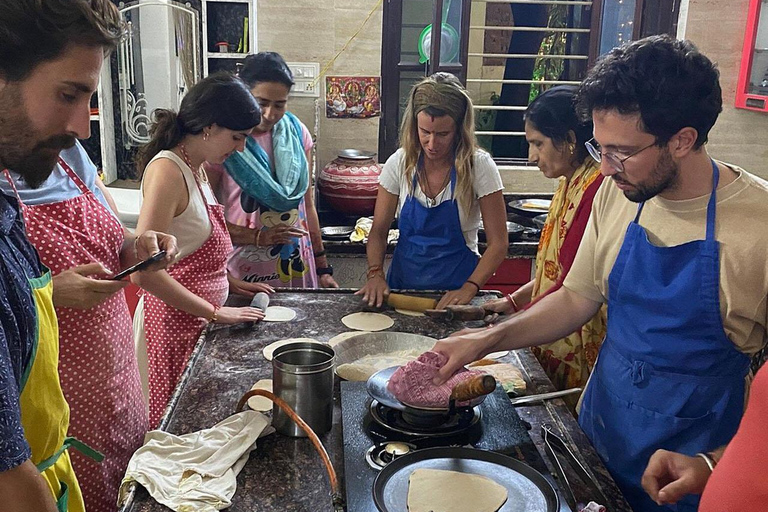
(313, 31)
(740, 136)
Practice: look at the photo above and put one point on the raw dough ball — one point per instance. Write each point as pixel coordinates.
(279, 314)
(368, 321)
(408, 312)
(261, 403)
(270, 349)
(451, 491)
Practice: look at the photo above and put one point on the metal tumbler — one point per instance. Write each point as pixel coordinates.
(302, 375)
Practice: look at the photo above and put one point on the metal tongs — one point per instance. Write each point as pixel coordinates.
(554, 444)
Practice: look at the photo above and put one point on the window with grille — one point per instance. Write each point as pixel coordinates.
(517, 49)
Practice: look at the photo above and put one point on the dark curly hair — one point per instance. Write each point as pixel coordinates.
(37, 31)
(668, 82)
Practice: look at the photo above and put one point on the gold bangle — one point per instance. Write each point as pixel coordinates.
(258, 235)
(215, 315)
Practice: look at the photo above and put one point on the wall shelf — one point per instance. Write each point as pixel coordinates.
(224, 20)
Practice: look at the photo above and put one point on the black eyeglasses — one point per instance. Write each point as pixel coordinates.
(612, 159)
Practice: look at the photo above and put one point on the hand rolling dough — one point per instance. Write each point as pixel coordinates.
(450, 491)
(368, 321)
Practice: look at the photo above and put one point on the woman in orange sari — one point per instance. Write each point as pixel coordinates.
(556, 139)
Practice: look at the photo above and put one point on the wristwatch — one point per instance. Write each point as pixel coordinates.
(324, 271)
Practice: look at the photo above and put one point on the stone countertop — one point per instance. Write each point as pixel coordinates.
(286, 474)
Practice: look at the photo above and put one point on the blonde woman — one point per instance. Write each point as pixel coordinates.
(439, 184)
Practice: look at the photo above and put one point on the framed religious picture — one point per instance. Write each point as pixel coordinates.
(352, 96)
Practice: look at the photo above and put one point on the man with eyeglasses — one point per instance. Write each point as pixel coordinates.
(676, 247)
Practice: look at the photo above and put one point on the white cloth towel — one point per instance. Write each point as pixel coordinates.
(196, 472)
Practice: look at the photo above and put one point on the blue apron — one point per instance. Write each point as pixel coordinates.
(431, 253)
(667, 376)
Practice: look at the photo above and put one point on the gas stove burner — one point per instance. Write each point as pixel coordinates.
(381, 454)
(428, 426)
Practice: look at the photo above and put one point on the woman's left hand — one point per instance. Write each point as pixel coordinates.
(246, 289)
(327, 281)
(150, 243)
(463, 295)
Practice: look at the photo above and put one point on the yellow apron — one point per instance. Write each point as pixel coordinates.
(44, 411)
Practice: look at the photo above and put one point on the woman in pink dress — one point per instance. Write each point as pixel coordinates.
(213, 121)
(267, 193)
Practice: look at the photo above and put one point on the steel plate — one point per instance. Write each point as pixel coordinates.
(356, 154)
(527, 489)
(530, 207)
(336, 231)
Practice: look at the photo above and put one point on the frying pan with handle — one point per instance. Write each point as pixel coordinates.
(472, 390)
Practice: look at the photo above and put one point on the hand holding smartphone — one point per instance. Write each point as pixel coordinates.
(139, 266)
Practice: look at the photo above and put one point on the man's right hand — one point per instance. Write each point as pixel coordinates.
(74, 288)
(464, 348)
(670, 476)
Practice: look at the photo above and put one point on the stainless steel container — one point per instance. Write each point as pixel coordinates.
(302, 375)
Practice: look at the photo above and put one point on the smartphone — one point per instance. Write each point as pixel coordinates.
(139, 266)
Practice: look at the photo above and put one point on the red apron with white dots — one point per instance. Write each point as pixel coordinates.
(171, 334)
(97, 362)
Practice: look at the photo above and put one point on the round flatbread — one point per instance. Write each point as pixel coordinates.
(269, 350)
(343, 336)
(368, 321)
(452, 491)
(408, 312)
(261, 403)
(279, 314)
(497, 355)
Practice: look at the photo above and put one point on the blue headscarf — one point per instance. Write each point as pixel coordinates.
(280, 190)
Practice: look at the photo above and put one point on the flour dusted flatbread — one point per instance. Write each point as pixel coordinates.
(261, 403)
(279, 314)
(437, 490)
(269, 350)
(408, 312)
(367, 321)
(361, 369)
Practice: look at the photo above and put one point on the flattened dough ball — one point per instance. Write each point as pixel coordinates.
(261, 403)
(279, 314)
(367, 321)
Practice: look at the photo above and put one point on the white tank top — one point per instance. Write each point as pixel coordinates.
(192, 227)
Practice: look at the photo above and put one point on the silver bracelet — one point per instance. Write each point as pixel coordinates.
(708, 460)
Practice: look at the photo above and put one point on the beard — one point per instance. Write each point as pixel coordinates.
(21, 149)
(663, 176)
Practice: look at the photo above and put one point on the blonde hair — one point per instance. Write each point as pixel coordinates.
(439, 95)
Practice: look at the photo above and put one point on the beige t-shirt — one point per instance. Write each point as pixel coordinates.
(741, 228)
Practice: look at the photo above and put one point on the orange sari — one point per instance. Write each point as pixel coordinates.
(568, 361)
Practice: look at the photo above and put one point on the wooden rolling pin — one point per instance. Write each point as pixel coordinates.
(411, 303)
(470, 389)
